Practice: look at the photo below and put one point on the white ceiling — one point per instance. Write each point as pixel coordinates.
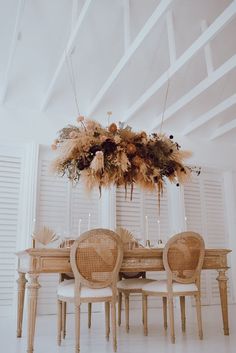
(129, 57)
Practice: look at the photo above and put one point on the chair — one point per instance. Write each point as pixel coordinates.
(96, 257)
(129, 282)
(183, 258)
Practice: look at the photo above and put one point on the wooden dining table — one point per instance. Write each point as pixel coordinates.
(32, 262)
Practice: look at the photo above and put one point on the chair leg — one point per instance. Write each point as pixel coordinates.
(164, 301)
(127, 312)
(182, 310)
(113, 323)
(119, 307)
(199, 315)
(63, 329)
(59, 321)
(171, 318)
(107, 319)
(77, 328)
(89, 314)
(145, 326)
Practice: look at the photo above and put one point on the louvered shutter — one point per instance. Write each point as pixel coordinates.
(60, 206)
(204, 209)
(131, 215)
(129, 212)
(83, 205)
(52, 205)
(10, 187)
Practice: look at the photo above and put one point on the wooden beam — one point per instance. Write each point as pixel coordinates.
(204, 38)
(222, 130)
(211, 114)
(19, 14)
(197, 90)
(68, 49)
(171, 36)
(157, 14)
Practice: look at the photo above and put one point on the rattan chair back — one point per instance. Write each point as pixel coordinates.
(183, 257)
(96, 257)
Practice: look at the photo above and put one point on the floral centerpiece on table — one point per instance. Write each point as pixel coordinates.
(116, 155)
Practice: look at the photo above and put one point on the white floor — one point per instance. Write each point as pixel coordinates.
(93, 340)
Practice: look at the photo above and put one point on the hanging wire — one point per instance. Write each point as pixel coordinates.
(165, 101)
(71, 73)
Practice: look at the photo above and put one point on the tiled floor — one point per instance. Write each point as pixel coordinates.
(93, 340)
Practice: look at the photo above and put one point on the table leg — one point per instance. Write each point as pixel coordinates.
(20, 302)
(222, 281)
(32, 287)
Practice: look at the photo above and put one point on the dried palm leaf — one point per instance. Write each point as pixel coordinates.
(45, 236)
(126, 236)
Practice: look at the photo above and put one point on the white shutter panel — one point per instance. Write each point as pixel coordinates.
(51, 211)
(152, 211)
(131, 215)
(129, 212)
(83, 204)
(60, 206)
(10, 184)
(204, 208)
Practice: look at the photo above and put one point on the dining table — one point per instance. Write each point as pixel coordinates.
(35, 261)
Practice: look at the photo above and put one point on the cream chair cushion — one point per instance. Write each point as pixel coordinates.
(161, 287)
(133, 283)
(66, 289)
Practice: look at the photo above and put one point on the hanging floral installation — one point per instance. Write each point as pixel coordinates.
(116, 155)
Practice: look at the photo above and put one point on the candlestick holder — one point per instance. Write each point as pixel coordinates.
(148, 244)
(160, 243)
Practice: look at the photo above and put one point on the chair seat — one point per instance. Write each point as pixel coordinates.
(133, 283)
(161, 287)
(66, 289)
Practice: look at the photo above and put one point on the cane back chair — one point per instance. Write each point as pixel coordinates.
(183, 257)
(96, 257)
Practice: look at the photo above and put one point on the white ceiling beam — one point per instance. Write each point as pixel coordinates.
(207, 51)
(197, 90)
(211, 114)
(19, 14)
(204, 38)
(222, 130)
(171, 36)
(69, 48)
(126, 24)
(157, 14)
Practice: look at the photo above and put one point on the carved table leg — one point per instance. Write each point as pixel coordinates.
(222, 281)
(32, 287)
(20, 302)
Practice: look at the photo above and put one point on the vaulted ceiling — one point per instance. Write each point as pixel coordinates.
(150, 62)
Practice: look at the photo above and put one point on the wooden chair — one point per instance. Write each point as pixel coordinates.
(129, 282)
(66, 277)
(183, 259)
(96, 257)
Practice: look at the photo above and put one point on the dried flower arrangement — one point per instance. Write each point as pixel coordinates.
(116, 155)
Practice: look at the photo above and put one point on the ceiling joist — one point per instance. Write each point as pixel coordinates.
(197, 90)
(204, 38)
(20, 10)
(157, 14)
(222, 130)
(211, 114)
(68, 49)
